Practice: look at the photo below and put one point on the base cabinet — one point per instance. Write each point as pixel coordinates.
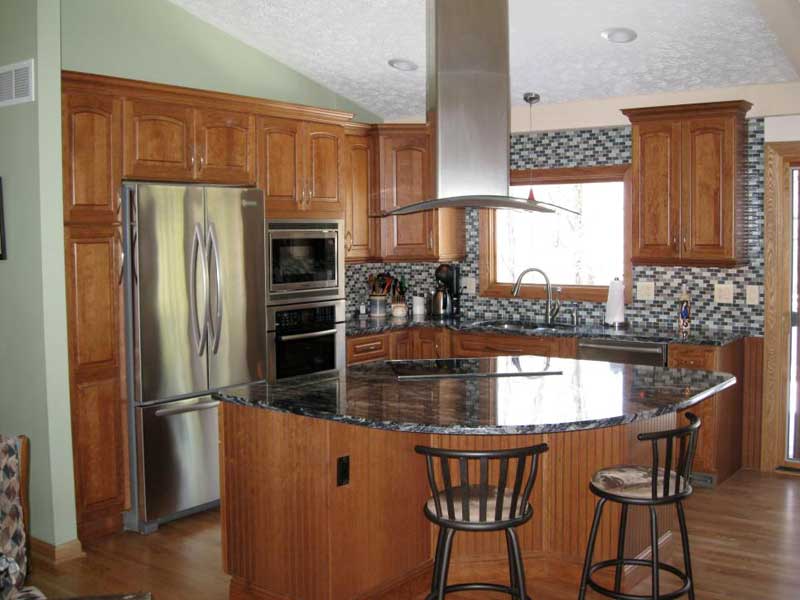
(719, 445)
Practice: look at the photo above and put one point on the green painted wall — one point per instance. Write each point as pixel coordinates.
(34, 387)
(154, 40)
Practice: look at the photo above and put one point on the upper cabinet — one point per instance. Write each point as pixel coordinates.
(361, 231)
(406, 176)
(301, 168)
(176, 142)
(92, 157)
(687, 194)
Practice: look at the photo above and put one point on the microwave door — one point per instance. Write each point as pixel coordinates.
(169, 292)
(237, 290)
(302, 260)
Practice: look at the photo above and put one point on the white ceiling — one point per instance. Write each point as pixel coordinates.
(556, 48)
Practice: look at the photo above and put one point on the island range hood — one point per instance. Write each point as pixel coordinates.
(468, 102)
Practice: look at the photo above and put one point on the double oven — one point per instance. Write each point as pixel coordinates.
(305, 298)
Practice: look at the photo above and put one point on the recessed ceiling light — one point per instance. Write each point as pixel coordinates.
(403, 64)
(619, 35)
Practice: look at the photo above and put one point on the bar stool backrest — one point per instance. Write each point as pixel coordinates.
(680, 446)
(485, 478)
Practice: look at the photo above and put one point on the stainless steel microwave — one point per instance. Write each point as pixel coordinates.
(305, 260)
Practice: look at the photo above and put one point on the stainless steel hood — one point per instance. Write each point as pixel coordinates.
(469, 107)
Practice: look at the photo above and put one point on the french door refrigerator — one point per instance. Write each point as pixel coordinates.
(195, 306)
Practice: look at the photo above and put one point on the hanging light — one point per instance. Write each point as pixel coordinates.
(531, 98)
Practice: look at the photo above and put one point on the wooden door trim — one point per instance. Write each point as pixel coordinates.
(778, 158)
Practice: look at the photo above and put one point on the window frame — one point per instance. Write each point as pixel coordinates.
(491, 288)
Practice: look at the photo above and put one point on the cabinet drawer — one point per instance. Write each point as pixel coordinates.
(692, 357)
(367, 347)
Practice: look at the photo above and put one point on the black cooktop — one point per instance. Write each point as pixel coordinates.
(463, 368)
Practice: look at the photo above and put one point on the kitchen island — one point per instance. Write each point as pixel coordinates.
(322, 492)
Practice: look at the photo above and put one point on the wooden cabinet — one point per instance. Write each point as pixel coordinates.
(94, 320)
(719, 445)
(406, 177)
(431, 343)
(225, 146)
(91, 157)
(468, 345)
(176, 142)
(687, 194)
(301, 168)
(367, 347)
(361, 231)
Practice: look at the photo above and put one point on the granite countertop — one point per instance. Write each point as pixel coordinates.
(697, 335)
(574, 395)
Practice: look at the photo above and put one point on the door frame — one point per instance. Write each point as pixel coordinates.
(779, 158)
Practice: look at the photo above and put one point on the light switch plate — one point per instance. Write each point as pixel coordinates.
(645, 290)
(723, 293)
(468, 284)
(753, 293)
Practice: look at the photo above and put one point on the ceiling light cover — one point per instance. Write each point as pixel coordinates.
(619, 35)
(403, 64)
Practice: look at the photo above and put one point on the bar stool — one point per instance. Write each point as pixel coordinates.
(637, 486)
(480, 506)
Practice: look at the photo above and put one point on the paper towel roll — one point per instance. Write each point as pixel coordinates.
(615, 306)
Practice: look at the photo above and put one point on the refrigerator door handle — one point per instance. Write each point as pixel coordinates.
(199, 335)
(215, 320)
(167, 412)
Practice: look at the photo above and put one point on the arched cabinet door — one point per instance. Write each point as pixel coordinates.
(159, 141)
(324, 170)
(405, 179)
(91, 157)
(225, 146)
(360, 188)
(280, 165)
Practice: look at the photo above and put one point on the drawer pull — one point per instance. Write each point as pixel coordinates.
(368, 347)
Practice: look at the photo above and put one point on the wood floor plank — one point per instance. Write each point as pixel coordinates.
(744, 537)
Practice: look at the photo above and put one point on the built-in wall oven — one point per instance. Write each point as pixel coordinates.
(305, 339)
(305, 260)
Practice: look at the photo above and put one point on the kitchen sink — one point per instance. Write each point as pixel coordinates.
(509, 325)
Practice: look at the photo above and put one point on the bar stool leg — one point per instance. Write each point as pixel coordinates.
(512, 569)
(598, 512)
(654, 549)
(448, 546)
(520, 568)
(687, 557)
(437, 563)
(623, 524)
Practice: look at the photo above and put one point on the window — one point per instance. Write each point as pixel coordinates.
(581, 254)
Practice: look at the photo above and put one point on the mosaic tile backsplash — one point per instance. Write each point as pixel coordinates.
(609, 146)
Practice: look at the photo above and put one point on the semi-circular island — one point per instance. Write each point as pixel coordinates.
(322, 492)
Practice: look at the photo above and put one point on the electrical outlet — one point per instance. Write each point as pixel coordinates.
(723, 293)
(468, 285)
(645, 290)
(753, 293)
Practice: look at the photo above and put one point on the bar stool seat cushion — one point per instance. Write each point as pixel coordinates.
(474, 499)
(633, 481)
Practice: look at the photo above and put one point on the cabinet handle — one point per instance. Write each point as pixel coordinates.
(675, 242)
(118, 241)
(348, 238)
(191, 155)
(119, 203)
(430, 240)
(685, 245)
(368, 347)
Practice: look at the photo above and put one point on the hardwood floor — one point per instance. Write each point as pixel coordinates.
(745, 539)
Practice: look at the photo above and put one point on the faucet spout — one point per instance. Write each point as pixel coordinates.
(549, 313)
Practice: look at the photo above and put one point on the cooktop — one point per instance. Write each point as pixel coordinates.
(464, 368)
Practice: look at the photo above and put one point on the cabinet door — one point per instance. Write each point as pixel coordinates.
(92, 157)
(280, 165)
(359, 228)
(93, 261)
(159, 140)
(324, 170)
(430, 343)
(656, 191)
(226, 146)
(708, 189)
(401, 345)
(405, 179)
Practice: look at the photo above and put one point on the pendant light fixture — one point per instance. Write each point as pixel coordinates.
(531, 98)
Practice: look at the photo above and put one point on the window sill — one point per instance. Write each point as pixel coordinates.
(569, 293)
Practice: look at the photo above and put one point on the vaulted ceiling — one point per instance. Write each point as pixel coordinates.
(556, 47)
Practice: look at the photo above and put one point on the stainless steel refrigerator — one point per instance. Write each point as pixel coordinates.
(195, 306)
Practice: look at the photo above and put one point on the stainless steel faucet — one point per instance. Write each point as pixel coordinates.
(551, 308)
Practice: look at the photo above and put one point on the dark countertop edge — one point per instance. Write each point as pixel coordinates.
(714, 337)
(487, 430)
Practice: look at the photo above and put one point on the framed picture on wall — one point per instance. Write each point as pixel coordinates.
(2, 225)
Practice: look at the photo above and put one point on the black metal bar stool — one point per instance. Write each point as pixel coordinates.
(480, 506)
(636, 485)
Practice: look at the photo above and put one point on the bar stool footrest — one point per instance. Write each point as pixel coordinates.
(638, 562)
(475, 587)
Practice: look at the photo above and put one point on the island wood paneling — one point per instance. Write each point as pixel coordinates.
(751, 406)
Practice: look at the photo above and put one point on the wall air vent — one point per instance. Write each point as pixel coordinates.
(16, 83)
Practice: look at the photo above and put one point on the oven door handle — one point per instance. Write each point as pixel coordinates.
(306, 336)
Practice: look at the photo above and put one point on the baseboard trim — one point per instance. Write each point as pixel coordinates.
(53, 556)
